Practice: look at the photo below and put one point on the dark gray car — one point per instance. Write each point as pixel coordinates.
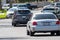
(21, 17)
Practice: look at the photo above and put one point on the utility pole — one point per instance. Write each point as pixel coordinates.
(0, 5)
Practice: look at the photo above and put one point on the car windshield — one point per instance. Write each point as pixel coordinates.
(44, 16)
(24, 11)
(12, 9)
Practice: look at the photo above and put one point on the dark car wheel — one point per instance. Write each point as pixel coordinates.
(31, 33)
(27, 32)
(52, 33)
(13, 24)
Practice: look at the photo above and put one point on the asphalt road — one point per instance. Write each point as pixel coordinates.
(9, 32)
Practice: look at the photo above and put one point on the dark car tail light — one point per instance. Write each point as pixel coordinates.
(58, 22)
(34, 23)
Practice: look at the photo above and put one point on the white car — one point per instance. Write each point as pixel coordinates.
(6, 6)
(50, 9)
(47, 6)
(11, 11)
(43, 22)
(56, 4)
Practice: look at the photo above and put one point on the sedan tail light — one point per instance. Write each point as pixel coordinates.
(34, 23)
(58, 22)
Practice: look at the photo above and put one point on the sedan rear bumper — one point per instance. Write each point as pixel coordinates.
(45, 28)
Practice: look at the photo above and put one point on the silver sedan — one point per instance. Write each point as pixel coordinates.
(43, 22)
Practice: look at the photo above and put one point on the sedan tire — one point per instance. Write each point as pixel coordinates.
(52, 33)
(27, 32)
(58, 33)
(31, 33)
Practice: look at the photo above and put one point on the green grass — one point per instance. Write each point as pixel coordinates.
(2, 14)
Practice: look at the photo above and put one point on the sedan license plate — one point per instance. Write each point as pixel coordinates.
(23, 16)
(46, 24)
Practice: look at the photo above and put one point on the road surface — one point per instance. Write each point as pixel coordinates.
(9, 32)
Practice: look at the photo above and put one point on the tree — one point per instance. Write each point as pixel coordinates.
(10, 3)
(0, 5)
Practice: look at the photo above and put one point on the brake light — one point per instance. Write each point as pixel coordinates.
(34, 23)
(58, 22)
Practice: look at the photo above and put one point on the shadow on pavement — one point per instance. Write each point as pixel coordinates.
(23, 25)
(44, 35)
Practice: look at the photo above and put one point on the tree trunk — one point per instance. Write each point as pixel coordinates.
(10, 3)
(0, 5)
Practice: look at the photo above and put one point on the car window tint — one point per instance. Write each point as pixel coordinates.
(11, 9)
(58, 4)
(23, 11)
(22, 6)
(45, 16)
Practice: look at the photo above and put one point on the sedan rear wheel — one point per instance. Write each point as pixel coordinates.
(27, 32)
(31, 33)
(58, 33)
(52, 33)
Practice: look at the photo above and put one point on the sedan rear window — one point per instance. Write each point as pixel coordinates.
(45, 16)
(23, 11)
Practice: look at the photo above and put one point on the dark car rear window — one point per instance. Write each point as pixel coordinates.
(23, 11)
(45, 16)
(22, 6)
